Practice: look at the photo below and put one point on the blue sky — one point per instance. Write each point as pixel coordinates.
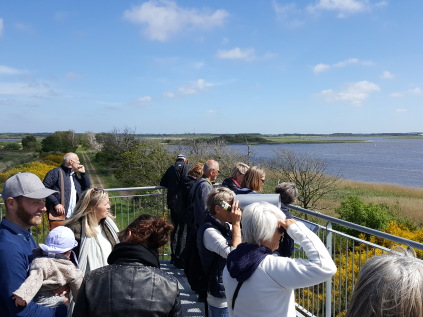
(266, 66)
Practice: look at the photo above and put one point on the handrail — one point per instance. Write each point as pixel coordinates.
(354, 226)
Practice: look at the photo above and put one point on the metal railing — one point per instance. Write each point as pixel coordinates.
(330, 298)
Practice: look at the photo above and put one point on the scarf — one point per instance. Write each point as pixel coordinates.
(90, 254)
(244, 260)
(134, 252)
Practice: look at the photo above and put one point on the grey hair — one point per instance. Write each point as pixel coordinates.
(288, 192)
(389, 285)
(239, 168)
(210, 164)
(259, 222)
(216, 196)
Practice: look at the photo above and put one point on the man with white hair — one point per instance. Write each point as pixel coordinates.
(73, 185)
(23, 196)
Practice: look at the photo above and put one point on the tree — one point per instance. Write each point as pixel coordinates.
(115, 143)
(308, 174)
(11, 146)
(144, 165)
(29, 143)
(60, 141)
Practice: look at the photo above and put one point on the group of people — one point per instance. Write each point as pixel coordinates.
(108, 272)
(84, 261)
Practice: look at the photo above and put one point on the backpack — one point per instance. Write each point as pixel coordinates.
(193, 269)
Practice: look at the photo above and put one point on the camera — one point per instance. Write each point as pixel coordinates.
(225, 205)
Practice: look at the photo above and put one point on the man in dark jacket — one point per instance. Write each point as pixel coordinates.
(173, 180)
(74, 185)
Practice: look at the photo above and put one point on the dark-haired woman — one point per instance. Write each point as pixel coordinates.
(132, 284)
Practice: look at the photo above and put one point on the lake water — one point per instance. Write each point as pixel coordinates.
(378, 160)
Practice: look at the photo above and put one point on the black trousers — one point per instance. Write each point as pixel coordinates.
(178, 237)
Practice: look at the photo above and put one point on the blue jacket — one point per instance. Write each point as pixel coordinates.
(16, 246)
(212, 263)
(52, 181)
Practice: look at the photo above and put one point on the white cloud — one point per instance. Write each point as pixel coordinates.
(324, 67)
(320, 68)
(6, 70)
(169, 94)
(342, 7)
(194, 88)
(387, 75)
(163, 19)
(396, 94)
(355, 93)
(401, 110)
(1, 26)
(288, 14)
(32, 89)
(144, 99)
(73, 76)
(225, 41)
(23, 27)
(413, 92)
(237, 53)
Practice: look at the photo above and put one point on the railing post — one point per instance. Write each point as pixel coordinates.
(163, 203)
(329, 281)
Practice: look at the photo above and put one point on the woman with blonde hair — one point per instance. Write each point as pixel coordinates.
(94, 229)
(253, 181)
(234, 182)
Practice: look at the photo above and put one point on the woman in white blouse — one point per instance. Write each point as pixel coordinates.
(94, 229)
(259, 283)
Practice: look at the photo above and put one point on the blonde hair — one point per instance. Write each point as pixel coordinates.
(253, 178)
(239, 168)
(85, 209)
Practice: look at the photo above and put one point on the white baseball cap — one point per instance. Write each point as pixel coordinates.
(60, 240)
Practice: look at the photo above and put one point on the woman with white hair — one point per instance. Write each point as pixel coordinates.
(258, 283)
(389, 285)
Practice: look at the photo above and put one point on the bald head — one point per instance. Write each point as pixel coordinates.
(68, 157)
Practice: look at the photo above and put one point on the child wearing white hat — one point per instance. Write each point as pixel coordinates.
(50, 269)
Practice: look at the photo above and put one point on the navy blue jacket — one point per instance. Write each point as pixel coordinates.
(212, 263)
(52, 181)
(16, 245)
(173, 180)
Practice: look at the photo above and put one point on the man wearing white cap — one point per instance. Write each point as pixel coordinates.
(24, 196)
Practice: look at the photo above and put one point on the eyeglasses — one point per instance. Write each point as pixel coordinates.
(97, 189)
(263, 181)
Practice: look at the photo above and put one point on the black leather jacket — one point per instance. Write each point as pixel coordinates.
(132, 285)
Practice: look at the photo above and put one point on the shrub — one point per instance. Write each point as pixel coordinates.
(375, 216)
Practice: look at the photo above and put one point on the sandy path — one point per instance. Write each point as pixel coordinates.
(95, 179)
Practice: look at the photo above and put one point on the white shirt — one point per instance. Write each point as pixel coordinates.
(72, 200)
(105, 245)
(270, 289)
(215, 242)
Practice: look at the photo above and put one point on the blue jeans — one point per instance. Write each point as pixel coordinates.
(218, 312)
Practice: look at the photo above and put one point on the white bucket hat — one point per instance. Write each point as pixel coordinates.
(60, 240)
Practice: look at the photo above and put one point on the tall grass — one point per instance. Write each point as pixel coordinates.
(407, 202)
